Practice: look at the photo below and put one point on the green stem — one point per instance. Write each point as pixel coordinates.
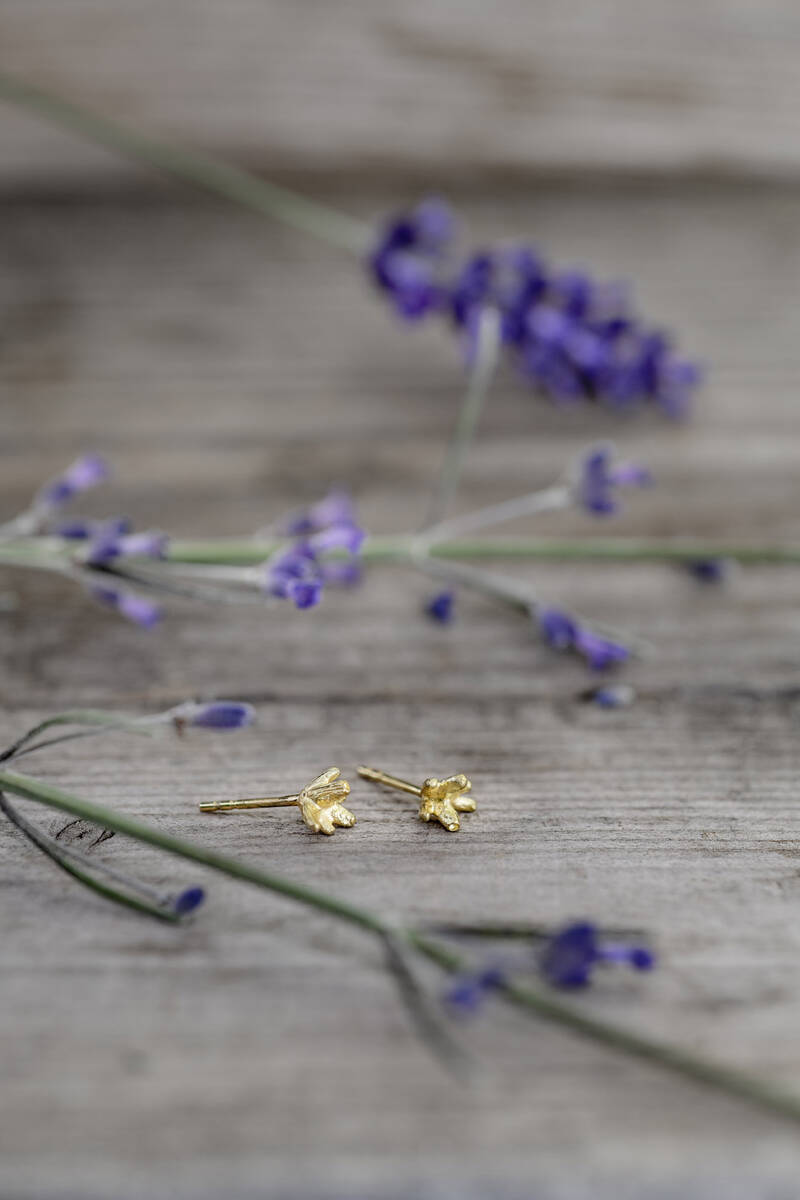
(672, 1058)
(54, 797)
(69, 863)
(192, 166)
(240, 552)
(486, 352)
(551, 1008)
(400, 548)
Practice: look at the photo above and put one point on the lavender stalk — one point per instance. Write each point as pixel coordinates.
(212, 174)
(532, 1000)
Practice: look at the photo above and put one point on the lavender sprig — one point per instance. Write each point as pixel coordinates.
(203, 170)
(95, 874)
(547, 1004)
(570, 337)
(565, 958)
(81, 476)
(122, 570)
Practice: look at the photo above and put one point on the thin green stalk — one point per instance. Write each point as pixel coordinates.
(681, 1062)
(192, 166)
(400, 549)
(69, 862)
(550, 1008)
(480, 379)
(98, 719)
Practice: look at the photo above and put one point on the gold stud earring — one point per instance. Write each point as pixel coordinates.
(319, 803)
(440, 799)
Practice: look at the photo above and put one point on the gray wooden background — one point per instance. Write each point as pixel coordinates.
(231, 370)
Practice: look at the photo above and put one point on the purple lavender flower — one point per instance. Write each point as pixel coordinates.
(563, 632)
(216, 714)
(618, 695)
(345, 535)
(569, 957)
(83, 474)
(334, 509)
(83, 528)
(188, 901)
(600, 653)
(599, 478)
(299, 572)
(407, 259)
(440, 607)
(129, 604)
(294, 574)
(709, 570)
(570, 336)
(106, 545)
(468, 992)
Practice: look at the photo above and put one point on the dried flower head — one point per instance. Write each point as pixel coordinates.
(85, 473)
(569, 957)
(440, 607)
(214, 714)
(563, 632)
(599, 476)
(570, 336)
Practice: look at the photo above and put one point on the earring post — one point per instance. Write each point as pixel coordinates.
(256, 802)
(389, 780)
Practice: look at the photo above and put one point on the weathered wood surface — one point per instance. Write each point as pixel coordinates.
(420, 87)
(230, 371)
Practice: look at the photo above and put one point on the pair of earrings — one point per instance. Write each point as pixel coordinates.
(321, 807)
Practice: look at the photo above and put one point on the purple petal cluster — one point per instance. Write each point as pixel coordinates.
(106, 544)
(564, 632)
(187, 901)
(408, 262)
(215, 714)
(619, 695)
(128, 604)
(336, 508)
(85, 473)
(300, 571)
(440, 607)
(570, 336)
(709, 570)
(569, 957)
(600, 476)
(81, 529)
(469, 991)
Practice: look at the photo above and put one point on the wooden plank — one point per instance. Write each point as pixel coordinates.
(231, 371)
(418, 89)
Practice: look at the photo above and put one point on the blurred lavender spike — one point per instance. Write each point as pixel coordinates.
(572, 338)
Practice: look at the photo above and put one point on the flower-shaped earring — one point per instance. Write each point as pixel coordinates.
(319, 803)
(440, 799)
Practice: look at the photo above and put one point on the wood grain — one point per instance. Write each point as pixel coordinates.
(421, 89)
(231, 371)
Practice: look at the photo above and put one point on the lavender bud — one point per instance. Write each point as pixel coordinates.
(344, 536)
(83, 474)
(709, 570)
(599, 478)
(188, 901)
(216, 714)
(82, 528)
(563, 632)
(136, 608)
(334, 509)
(440, 607)
(619, 695)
